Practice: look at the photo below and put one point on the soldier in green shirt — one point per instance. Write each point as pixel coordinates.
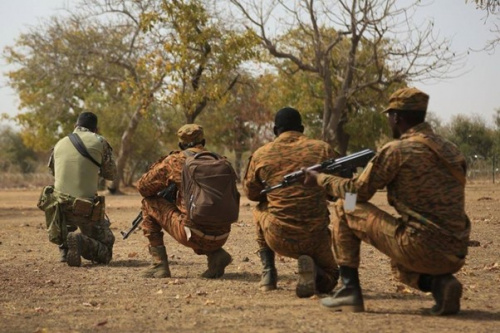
(73, 200)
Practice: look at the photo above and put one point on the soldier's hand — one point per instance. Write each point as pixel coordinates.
(310, 177)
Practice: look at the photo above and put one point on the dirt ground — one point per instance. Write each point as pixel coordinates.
(40, 294)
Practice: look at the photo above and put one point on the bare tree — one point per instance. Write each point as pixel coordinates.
(492, 13)
(489, 5)
(381, 30)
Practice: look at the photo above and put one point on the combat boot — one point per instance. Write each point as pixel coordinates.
(74, 255)
(306, 284)
(325, 282)
(159, 267)
(349, 298)
(269, 279)
(447, 291)
(217, 262)
(63, 250)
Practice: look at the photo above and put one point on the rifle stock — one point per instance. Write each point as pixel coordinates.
(340, 165)
(169, 193)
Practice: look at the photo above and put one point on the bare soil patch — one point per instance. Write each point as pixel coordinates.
(40, 294)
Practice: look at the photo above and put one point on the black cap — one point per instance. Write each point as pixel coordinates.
(87, 120)
(288, 119)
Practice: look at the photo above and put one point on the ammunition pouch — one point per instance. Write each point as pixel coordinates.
(83, 207)
(45, 199)
(55, 204)
(55, 220)
(94, 210)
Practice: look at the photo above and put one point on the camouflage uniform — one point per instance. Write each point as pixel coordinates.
(431, 234)
(76, 177)
(294, 220)
(159, 213)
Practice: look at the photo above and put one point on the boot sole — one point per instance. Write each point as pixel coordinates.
(306, 285)
(452, 292)
(73, 258)
(344, 308)
(220, 270)
(267, 288)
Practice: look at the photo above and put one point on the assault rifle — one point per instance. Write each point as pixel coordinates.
(342, 165)
(169, 193)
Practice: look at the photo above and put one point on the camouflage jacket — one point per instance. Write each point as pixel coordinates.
(296, 206)
(162, 173)
(418, 182)
(166, 170)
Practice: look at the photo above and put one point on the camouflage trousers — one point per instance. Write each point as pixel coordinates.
(159, 214)
(412, 248)
(293, 244)
(97, 237)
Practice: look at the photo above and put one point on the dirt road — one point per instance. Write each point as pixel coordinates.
(40, 294)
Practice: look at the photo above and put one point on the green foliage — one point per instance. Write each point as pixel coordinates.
(243, 122)
(471, 135)
(366, 128)
(203, 55)
(496, 135)
(58, 75)
(14, 155)
(137, 65)
(304, 90)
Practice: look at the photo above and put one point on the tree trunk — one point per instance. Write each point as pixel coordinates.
(342, 137)
(334, 119)
(125, 147)
(238, 155)
(333, 128)
(331, 117)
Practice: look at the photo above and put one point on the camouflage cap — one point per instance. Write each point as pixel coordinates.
(408, 99)
(190, 133)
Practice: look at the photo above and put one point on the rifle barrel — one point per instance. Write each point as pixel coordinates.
(359, 158)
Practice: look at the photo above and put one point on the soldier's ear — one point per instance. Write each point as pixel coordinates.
(396, 118)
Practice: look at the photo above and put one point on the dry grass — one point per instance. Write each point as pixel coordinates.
(25, 180)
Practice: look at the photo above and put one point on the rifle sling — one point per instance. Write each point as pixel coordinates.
(432, 146)
(77, 142)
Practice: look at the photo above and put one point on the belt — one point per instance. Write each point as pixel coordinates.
(209, 237)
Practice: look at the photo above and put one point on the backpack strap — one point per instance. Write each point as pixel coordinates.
(189, 153)
(432, 146)
(207, 153)
(78, 143)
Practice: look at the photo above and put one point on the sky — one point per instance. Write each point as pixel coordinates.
(476, 92)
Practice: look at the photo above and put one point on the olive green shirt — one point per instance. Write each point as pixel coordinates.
(75, 174)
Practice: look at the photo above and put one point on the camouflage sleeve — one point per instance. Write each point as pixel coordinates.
(379, 172)
(108, 165)
(50, 164)
(164, 171)
(252, 185)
